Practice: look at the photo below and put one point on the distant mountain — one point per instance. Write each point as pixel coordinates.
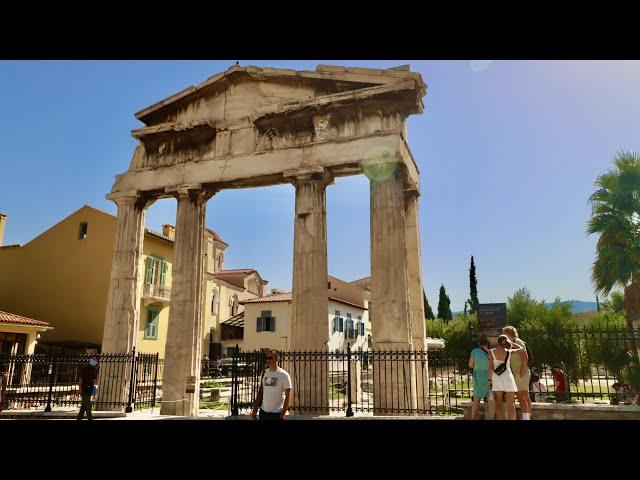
(578, 306)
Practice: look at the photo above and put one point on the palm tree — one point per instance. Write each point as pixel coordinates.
(616, 217)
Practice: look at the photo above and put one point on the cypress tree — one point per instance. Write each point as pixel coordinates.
(473, 288)
(444, 310)
(428, 313)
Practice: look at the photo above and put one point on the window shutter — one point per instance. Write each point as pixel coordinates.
(335, 324)
(259, 324)
(341, 325)
(163, 273)
(273, 324)
(149, 273)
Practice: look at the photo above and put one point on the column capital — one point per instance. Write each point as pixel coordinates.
(195, 191)
(307, 174)
(134, 198)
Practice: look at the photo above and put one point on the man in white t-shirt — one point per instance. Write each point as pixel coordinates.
(274, 383)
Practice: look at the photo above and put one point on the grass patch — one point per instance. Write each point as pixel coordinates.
(211, 384)
(213, 405)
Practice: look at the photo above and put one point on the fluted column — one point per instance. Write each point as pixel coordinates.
(309, 308)
(394, 390)
(180, 383)
(416, 298)
(123, 301)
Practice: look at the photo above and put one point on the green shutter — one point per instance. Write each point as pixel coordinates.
(272, 324)
(259, 325)
(163, 273)
(149, 273)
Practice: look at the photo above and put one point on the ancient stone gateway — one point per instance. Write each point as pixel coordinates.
(251, 127)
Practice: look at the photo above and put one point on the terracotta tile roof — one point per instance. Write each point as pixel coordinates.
(273, 297)
(217, 237)
(6, 317)
(235, 277)
(287, 297)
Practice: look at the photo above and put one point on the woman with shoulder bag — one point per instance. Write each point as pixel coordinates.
(502, 380)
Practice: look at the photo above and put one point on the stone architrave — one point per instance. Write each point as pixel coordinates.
(309, 329)
(393, 373)
(123, 303)
(416, 300)
(183, 347)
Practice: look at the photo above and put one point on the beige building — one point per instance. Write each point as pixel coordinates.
(267, 320)
(62, 277)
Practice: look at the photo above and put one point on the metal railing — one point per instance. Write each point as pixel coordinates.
(45, 382)
(353, 382)
(155, 291)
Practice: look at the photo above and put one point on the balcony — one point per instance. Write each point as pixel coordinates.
(155, 294)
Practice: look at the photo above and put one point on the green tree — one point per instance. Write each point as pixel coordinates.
(473, 288)
(605, 341)
(457, 339)
(522, 307)
(428, 313)
(444, 309)
(614, 217)
(615, 303)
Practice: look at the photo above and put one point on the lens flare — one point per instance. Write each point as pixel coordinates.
(379, 164)
(480, 65)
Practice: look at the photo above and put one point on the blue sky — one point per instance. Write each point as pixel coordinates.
(508, 152)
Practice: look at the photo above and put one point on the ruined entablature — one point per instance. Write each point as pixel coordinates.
(249, 124)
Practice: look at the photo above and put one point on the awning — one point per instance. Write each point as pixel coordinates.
(235, 321)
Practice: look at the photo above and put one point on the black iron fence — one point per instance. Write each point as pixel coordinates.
(595, 365)
(353, 382)
(45, 382)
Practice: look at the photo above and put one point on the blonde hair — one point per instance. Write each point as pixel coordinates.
(510, 331)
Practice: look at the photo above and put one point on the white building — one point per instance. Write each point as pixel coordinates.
(267, 319)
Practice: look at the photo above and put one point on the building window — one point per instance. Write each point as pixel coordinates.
(350, 330)
(233, 304)
(220, 260)
(231, 351)
(156, 272)
(214, 301)
(82, 232)
(361, 328)
(151, 328)
(265, 322)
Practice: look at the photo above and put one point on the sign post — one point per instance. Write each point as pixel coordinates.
(491, 318)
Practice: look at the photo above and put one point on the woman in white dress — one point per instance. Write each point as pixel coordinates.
(503, 385)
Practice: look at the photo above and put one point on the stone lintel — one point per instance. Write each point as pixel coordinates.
(260, 168)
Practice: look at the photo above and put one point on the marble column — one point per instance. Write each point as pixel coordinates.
(123, 301)
(416, 298)
(394, 389)
(181, 377)
(309, 308)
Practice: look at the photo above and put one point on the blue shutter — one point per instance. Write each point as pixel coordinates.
(149, 273)
(259, 324)
(273, 324)
(163, 273)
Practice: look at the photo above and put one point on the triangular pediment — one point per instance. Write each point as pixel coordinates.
(242, 92)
